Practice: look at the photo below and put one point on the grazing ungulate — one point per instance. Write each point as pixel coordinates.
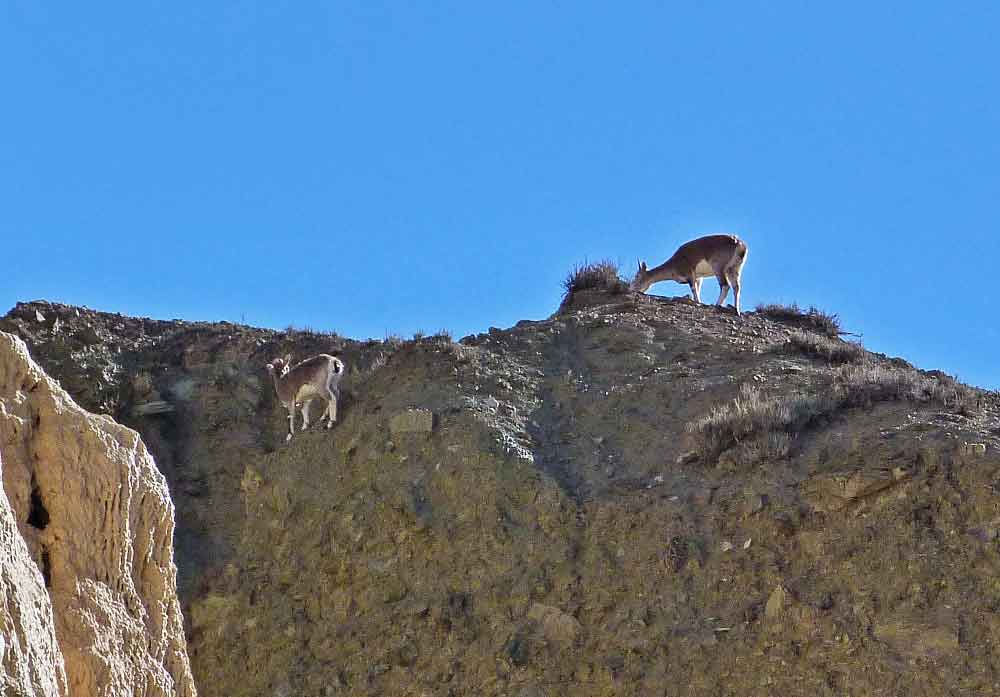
(314, 378)
(721, 256)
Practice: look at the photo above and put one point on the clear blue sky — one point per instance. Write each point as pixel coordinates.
(385, 168)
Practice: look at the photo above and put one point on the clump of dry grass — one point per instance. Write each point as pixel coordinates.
(378, 362)
(602, 275)
(762, 424)
(757, 427)
(832, 350)
(870, 382)
(811, 319)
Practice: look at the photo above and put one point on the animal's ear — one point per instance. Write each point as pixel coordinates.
(642, 266)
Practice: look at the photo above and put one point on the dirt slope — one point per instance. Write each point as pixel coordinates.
(564, 527)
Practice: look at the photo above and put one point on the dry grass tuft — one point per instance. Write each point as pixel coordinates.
(602, 275)
(811, 319)
(758, 428)
(835, 351)
(762, 425)
(869, 382)
(378, 362)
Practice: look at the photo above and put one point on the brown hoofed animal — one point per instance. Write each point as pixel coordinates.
(314, 378)
(721, 256)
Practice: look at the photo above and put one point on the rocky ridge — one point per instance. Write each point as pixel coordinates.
(543, 511)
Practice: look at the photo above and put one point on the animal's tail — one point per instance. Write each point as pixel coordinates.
(338, 366)
(741, 251)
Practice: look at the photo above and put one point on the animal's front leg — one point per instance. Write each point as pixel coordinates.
(696, 289)
(291, 422)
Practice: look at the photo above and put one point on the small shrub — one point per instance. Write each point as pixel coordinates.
(833, 351)
(811, 319)
(602, 275)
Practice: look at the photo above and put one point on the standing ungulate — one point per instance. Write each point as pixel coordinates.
(721, 256)
(314, 378)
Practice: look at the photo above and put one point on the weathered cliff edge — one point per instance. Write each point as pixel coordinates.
(88, 602)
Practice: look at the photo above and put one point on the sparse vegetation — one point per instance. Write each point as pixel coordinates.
(832, 350)
(378, 362)
(869, 382)
(753, 420)
(811, 319)
(602, 275)
(760, 427)
(393, 340)
(299, 332)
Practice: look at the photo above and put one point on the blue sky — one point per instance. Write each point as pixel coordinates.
(386, 168)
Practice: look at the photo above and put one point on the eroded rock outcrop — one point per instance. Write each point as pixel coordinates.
(30, 660)
(84, 501)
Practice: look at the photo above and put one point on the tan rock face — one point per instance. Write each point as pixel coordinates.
(94, 514)
(30, 660)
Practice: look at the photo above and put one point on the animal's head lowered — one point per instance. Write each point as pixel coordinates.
(280, 366)
(642, 279)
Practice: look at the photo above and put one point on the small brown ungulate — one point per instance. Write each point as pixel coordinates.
(314, 378)
(721, 256)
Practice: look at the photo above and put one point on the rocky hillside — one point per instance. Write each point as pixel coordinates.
(636, 496)
(87, 578)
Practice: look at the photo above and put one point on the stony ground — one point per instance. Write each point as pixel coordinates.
(526, 512)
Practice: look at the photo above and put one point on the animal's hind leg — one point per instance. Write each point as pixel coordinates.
(723, 288)
(305, 414)
(291, 422)
(734, 276)
(331, 408)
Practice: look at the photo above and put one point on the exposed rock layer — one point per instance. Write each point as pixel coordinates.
(94, 515)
